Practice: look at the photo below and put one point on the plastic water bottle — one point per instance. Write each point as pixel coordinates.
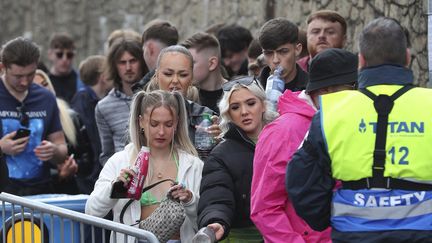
(204, 141)
(275, 86)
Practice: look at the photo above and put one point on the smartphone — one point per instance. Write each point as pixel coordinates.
(21, 133)
(118, 190)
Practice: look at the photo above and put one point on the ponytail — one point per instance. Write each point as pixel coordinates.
(182, 135)
(136, 137)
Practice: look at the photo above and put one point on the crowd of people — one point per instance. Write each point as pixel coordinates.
(342, 158)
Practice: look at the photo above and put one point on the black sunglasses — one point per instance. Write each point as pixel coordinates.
(246, 81)
(61, 54)
(24, 118)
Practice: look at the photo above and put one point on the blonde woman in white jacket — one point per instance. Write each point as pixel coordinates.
(158, 121)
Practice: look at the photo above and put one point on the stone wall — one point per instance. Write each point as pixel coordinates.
(91, 21)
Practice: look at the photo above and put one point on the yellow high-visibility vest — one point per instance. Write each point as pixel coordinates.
(349, 120)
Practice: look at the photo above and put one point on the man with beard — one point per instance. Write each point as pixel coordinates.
(325, 29)
(125, 65)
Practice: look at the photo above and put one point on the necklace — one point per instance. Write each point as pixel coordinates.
(159, 172)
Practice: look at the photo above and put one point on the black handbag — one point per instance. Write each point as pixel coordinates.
(166, 220)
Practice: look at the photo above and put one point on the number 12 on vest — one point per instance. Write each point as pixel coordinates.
(402, 154)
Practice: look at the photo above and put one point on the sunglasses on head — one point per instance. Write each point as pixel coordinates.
(61, 54)
(24, 118)
(246, 81)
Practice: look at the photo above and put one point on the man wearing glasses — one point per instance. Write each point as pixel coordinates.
(31, 132)
(64, 78)
(279, 41)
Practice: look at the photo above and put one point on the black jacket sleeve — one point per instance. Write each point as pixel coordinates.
(309, 181)
(83, 149)
(217, 202)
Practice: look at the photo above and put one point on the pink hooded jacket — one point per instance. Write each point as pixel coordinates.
(271, 210)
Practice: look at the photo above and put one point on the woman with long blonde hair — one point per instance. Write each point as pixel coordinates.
(174, 71)
(80, 154)
(158, 120)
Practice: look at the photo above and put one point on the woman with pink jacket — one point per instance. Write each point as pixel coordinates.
(271, 210)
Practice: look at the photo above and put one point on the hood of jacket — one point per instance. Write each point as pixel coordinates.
(296, 102)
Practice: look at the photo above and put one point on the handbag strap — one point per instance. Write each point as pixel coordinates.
(143, 190)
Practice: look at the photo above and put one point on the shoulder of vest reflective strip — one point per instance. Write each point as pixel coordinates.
(376, 213)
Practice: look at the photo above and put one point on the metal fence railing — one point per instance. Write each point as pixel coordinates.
(26, 220)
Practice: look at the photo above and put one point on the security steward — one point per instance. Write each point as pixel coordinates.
(377, 142)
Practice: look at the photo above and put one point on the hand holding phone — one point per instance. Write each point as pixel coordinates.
(21, 133)
(15, 142)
